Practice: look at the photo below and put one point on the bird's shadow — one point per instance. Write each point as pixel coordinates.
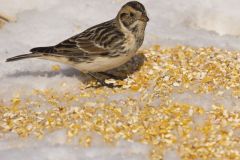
(68, 72)
(130, 67)
(123, 71)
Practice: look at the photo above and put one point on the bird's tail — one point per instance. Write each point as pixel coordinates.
(23, 56)
(36, 52)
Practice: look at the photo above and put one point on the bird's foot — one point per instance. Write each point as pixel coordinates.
(109, 85)
(102, 82)
(112, 76)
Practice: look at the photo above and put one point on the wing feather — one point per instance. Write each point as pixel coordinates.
(86, 44)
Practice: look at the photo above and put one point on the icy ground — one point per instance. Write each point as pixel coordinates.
(43, 22)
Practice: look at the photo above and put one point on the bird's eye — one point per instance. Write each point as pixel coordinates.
(131, 14)
(123, 15)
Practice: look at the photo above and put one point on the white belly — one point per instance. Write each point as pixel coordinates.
(102, 64)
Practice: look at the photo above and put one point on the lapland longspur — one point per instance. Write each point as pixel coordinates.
(101, 47)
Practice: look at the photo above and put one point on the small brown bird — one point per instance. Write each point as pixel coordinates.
(101, 47)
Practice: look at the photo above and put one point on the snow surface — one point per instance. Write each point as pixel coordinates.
(43, 22)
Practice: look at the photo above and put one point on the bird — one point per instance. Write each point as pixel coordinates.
(102, 47)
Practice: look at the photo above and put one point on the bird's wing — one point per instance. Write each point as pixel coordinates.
(93, 41)
(80, 46)
(75, 46)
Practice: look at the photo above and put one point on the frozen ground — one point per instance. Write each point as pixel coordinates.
(43, 22)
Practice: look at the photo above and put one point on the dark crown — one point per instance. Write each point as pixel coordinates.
(136, 5)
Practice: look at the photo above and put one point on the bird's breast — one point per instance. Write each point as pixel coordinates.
(130, 43)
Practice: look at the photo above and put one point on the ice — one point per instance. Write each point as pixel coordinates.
(43, 22)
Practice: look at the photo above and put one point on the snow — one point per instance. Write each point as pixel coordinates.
(54, 147)
(208, 99)
(171, 155)
(43, 22)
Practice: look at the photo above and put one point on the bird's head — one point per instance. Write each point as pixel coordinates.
(131, 14)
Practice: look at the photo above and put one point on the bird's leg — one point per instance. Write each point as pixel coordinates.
(111, 75)
(102, 82)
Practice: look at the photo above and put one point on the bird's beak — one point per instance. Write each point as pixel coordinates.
(144, 18)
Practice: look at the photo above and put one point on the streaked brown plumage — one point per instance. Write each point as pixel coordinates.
(101, 47)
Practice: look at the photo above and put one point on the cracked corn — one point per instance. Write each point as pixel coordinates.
(194, 132)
